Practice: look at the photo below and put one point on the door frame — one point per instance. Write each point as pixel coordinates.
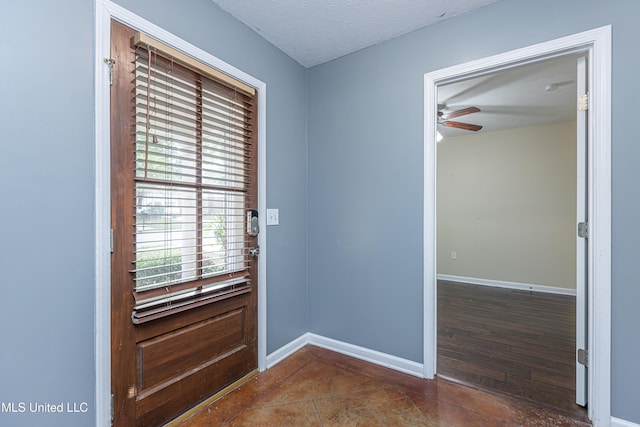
(597, 43)
(105, 10)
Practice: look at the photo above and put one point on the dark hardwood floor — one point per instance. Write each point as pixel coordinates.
(517, 342)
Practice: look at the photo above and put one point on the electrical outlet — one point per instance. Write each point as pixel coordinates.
(454, 255)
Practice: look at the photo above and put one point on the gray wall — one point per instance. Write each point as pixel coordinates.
(47, 190)
(46, 199)
(365, 175)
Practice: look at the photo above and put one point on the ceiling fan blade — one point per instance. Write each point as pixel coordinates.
(460, 125)
(459, 113)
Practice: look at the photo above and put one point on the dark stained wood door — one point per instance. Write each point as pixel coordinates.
(164, 366)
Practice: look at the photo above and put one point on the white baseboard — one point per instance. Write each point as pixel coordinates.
(362, 353)
(510, 285)
(368, 355)
(287, 350)
(618, 422)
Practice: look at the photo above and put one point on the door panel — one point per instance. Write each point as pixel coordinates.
(165, 364)
(189, 349)
(201, 358)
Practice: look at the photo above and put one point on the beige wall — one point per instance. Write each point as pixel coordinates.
(506, 205)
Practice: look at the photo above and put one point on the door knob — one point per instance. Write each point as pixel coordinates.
(254, 252)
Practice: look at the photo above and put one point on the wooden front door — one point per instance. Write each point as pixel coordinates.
(183, 188)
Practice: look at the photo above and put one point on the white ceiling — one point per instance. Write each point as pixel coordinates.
(515, 97)
(317, 31)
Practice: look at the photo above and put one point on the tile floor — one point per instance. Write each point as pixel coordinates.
(318, 387)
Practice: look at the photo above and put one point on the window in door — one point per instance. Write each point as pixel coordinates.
(191, 174)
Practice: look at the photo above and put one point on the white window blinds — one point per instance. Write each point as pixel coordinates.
(193, 167)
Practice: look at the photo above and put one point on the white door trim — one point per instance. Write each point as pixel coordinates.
(582, 374)
(104, 12)
(597, 43)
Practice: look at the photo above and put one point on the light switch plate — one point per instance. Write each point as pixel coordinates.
(273, 216)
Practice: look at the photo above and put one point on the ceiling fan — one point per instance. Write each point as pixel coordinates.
(443, 118)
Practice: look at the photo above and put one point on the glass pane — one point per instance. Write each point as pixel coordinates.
(166, 249)
(222, 233)
(168, 150)
(223, 146)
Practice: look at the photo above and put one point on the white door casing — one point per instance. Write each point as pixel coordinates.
(581, 243)
(596, 44)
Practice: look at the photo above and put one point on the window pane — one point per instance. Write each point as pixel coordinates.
(223, 144)
(165, 235)
(223, 233)
(167, 107)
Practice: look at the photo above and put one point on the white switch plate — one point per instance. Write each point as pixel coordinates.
(454, 255)
(273, 216)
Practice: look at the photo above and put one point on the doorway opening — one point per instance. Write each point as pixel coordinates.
(509, 192)
(596, 46)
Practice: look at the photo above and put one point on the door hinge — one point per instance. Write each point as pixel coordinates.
(113, 414)
(583, 102)
(111, 239)
(583, 357)
(110, 63)
(583, 230)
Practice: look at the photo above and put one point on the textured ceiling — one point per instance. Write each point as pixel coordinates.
(516, 97)
(317, 31)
